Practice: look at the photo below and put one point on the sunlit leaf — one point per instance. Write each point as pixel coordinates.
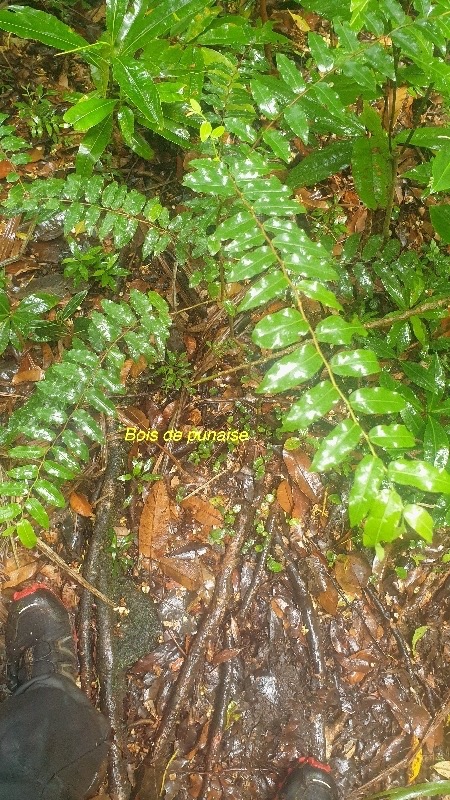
(366, 483)
(419, 474)
(334, 448)
(312, 406)
(291, 370)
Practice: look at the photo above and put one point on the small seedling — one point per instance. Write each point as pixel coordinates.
(38, 112)
(176, 372)
(93, 265)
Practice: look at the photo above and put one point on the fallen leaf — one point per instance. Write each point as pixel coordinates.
(203, 512)
(28, 376)
(284, 497)
(309, 483)
(442, 768)
(81, 505)
(190, 574)
(25, 568)
(226, 655)
(154, 526)
(352, 573)
(133, 417)
(416, 764)
(5, 168)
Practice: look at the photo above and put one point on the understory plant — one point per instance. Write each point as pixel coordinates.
(354, 330)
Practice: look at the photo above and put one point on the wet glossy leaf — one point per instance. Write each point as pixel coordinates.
(419, 474)
(251, 264)
(383, 520)
(280, 329)
(377, 401)
(334, 448)
(391, 436)
(436, 444)
(209, 177)
(93, 146)
(13, 489)
(290, 73)
(420, 521)
(371, 170)
(336, 330)
(87, 425)
(355, 363)
(263, 290)
(440, 218)
(80, 504)
(297, 120)
(320, 164)
(24, 473)
(29, 23)
(49, 493)
(89, 112)
(278, 143)
(10, 511)
(26, 533)
(115, 12)
(58, 470)
(74, 443)
(133, 138)
(316, 291)
(417, 792)
(440, 170)
(137, 85)
(366, 483)
(312, 406)
(291, 370)
(38, 512)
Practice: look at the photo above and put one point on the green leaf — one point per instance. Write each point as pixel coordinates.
(320, 164)
(27, 452)
(291, 370)
(290, 73)
(4, 335)
(384, 518)
(13, 489)
(440, 171)
(440, 219)
(297, 120)
(100, 402)
(320, 52)
(58, 470)
(26, 533)
(49, 493)
(87, 425)
(263, 290)
(355, 363)
(115, 12)
(312, 406)
(278, 143)
(419, 474)
(391, 436)
(371, 171)
(377, 401)
(279, 329)
(137, 85)
(430, 378)
(88, 112)
(420, 521)
(75, 444)
(135, 141)
(93, 146)
(336, 330)
(28, 23)
(435, 444)
(334, 448)
(366, 483)
(417, 792)
(209, 177)
(251, 264)
(316, 291)
(38, 512)
(11, 511)
(25, 472)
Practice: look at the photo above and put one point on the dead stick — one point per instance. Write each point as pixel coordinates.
(44, 548)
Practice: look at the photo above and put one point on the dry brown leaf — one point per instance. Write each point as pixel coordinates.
(203, 512)
(133, 417)
(5, 168)
(309, 483)
(352, 573)
(329, 599)
(154, 526)
(301, 504)
(81, 505)
(16, 574)
(28, 376)
(190, 574)
(284, 497)
(226, 655)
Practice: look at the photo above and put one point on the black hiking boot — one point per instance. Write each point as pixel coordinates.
(38, 637)
(308, 780)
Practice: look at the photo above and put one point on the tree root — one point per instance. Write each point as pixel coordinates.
(313, 637)
(150, 786)
(218, 720)
(98, 569)
(259, 572)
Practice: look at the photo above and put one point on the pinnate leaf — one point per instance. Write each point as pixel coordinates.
(366, 482)
(391, 436)
(334, 448)
(420, 521)
(280, 329)
(419, 474)
(312, 406)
